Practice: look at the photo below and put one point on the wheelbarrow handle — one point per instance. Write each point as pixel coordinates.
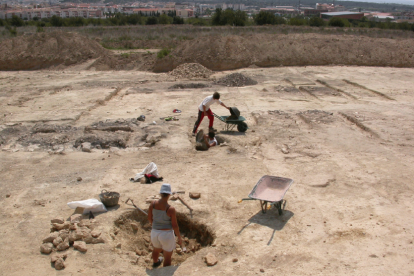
(240, 201)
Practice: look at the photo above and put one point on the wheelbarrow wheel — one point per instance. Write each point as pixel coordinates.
(242, 127)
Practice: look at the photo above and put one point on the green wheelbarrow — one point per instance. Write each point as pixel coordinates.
(270, 190)
(234, 120)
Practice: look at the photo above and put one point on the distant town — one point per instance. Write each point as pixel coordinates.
(44, 10)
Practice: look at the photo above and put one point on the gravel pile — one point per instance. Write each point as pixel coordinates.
(188, 85)
(236, 80)
(191, 70)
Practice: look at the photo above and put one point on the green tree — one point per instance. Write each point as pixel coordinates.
(152, 20)
(165, 19)
(16, 21)
(240, 18)
(1, 22)
(216, 19)
(178, 20)
(316, 22)
(56, 21)
(264, 18)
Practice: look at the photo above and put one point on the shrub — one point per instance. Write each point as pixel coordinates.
(56, 21)
(338, 22)
(163, 53)
(264, 18)
(165, 19)
(39, 29)
(316, 22)
(1, 22)
(178, 20)
(297, 21)
(229, 17)
(152, 20)
(16, 21)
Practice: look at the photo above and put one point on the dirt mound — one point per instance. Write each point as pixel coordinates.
(191, 71)
(44, 50)
(188, 85)
(237, 80)
(265, 50)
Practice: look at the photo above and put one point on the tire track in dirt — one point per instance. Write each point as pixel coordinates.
(370, 90)
(337, 89)
(99, 103)
(359, 124)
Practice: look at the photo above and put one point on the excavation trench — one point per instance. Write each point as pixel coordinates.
(132, 232)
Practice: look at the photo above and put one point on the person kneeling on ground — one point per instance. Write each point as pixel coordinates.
(163, 219)
(204, 142)
(210, 139)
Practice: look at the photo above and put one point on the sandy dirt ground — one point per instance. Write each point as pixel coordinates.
(343, 134)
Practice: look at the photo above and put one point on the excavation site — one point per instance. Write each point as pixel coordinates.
(302, 166)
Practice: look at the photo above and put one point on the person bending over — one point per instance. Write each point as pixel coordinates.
(163, 219)
(204, 110)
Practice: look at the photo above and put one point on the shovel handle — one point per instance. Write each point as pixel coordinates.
(183, 202)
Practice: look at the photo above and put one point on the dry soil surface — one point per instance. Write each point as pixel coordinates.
(344, 134)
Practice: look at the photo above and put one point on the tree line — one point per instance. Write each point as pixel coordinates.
(268, 18)
(219, 18)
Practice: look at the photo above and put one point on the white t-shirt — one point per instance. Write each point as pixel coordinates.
(211, 141)
(207, 102)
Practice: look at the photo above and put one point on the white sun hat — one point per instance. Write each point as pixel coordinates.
(165, 189)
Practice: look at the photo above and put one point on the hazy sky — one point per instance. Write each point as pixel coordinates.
(407, 2)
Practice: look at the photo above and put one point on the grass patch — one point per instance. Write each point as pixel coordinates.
(163, 53)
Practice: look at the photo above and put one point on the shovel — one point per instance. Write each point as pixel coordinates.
(136, 206)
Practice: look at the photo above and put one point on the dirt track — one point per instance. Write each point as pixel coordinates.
(344, 134)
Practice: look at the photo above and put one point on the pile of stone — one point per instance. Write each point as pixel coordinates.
(63, 234)
(191, 71)
(188, 85)
(236, 80)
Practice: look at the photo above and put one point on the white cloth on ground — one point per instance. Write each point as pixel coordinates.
(91, 204)
(151, 168)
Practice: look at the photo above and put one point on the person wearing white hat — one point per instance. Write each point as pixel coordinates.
(163, 219)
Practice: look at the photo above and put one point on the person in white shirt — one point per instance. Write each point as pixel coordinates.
(204, 110)
(210, 139)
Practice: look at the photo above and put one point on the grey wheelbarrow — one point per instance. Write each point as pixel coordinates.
(270, 190)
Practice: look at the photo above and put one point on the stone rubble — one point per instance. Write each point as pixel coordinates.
(191, 71)
(64, 234)
(236, 80)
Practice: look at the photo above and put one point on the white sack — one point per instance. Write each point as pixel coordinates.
(91, 204)
(150, 169)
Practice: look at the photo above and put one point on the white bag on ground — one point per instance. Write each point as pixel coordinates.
(151, 168)
(91, 204)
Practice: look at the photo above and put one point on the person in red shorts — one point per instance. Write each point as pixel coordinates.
(204, 110)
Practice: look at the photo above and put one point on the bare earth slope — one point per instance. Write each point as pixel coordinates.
(43, 50)
(264, 50)
(217, 53)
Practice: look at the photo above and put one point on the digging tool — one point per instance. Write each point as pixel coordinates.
(186, 205)
(136, 206)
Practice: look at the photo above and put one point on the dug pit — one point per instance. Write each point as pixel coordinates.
(132, 232)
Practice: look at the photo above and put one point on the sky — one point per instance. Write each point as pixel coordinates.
(406, 2)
